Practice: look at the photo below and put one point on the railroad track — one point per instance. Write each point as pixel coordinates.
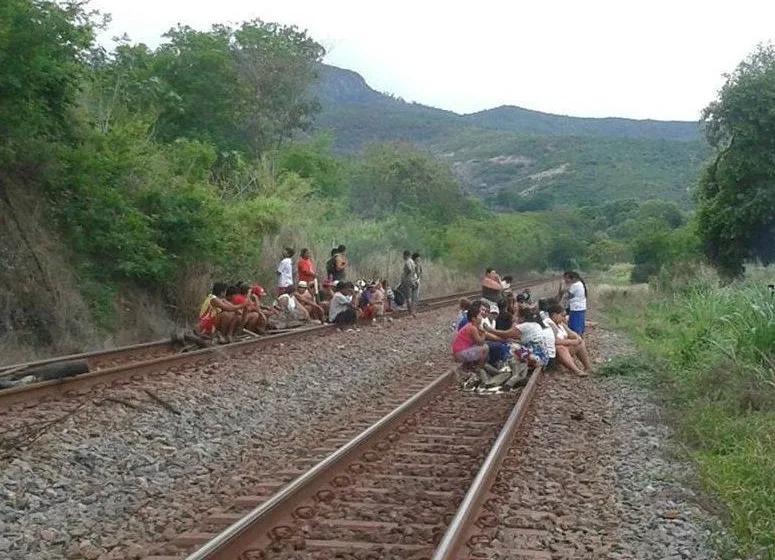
(108, 366)
(408, 487)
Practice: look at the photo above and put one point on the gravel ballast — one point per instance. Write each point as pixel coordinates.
(595, 475)
(141, 468)
(128, 468)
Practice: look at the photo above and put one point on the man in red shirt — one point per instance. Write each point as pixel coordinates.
(306, 270)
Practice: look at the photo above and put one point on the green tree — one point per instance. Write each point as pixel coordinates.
(736, 193)
(396, 177)
(42, 45)
(243, 89)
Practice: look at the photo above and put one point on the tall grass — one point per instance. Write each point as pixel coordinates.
(716, 346)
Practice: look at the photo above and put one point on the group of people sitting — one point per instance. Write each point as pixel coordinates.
(244, 308)
(503, 336)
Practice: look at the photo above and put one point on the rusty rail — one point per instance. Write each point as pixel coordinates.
(455, 537)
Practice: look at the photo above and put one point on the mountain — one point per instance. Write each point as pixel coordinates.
(517, 119)
(515, 158)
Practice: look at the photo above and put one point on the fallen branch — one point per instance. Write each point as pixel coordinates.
(162, 402)
(29, 434)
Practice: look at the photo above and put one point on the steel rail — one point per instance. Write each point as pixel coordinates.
(223, 546)
(113, 353)
(454, 538)
(44, 389)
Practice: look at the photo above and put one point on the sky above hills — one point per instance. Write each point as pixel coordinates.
(661, 59)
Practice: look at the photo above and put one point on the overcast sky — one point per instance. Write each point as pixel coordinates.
(660, 59)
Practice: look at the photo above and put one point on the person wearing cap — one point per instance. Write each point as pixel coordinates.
(284, 273)
(307, 301)
(342, 311)
(254, 297)
(289, 312)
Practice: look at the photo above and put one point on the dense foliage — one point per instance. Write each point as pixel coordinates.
(193, 160)
(710, 352)
(736, 194)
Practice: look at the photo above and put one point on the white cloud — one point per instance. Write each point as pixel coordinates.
(659, 59)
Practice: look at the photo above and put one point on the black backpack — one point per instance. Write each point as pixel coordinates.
(398, 296)
(331, 267)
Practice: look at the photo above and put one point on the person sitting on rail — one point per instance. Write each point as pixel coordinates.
(284, 273)
(389, 296)
(370, 302)
(507, 312)
(529, 331)
(307, 301)
(254, 321)
(569, 344)
(261, 321)
(492, 289)
(342, 311)
(498, 348)
(288, 313)
(550, 330)
(217, 315)
(462, 318)
(378, 300)
(325, 294)
(468, 346)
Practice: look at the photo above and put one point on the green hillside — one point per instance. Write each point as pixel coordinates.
(514, 158)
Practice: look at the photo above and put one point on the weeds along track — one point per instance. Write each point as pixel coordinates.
(390, 492)
(133, 362)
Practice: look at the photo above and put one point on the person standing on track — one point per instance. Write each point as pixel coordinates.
(284, 273)
(410, 283)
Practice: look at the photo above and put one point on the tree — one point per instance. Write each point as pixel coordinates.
(736, 193)
(245, 89)
(42, 45)
(396, 177)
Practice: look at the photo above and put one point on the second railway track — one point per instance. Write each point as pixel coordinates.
(108, 366)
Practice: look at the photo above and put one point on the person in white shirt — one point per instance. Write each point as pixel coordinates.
(576, 296)
(284, 273)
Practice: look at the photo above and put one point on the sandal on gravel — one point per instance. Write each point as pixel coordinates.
(581, 374)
